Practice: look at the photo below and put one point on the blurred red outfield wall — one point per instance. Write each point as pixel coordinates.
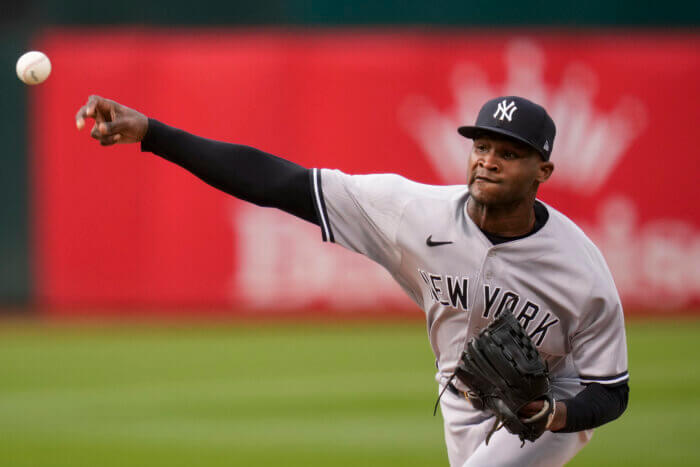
(118, 227)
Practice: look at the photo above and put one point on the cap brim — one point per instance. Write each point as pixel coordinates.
(472, 132)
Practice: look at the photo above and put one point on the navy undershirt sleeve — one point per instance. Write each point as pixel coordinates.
(596, 405)
(242, 171)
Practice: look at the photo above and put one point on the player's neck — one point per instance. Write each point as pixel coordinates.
(506, 220)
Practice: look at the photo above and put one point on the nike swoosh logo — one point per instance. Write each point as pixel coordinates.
(429, 241)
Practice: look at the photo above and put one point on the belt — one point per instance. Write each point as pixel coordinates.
(453, 389)
(475, 402)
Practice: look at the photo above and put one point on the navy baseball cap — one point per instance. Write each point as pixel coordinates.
(518, 118)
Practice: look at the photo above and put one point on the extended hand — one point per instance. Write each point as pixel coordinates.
(114, 123)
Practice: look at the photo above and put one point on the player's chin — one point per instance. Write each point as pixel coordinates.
(486, 192)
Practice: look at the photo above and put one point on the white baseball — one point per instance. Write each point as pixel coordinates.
(33, 67)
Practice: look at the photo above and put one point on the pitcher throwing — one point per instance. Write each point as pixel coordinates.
(464, 254)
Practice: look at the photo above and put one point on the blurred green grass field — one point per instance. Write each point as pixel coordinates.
(343, 394)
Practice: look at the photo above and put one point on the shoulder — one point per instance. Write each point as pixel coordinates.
(374, 203)
(572, 244)
(386, 185)
(570, 238)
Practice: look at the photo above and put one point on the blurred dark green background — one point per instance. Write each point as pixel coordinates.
(359, 12)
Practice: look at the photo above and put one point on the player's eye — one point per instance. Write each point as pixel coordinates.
(481, 147)
(510, 155)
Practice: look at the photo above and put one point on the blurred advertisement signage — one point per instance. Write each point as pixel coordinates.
(118, 227)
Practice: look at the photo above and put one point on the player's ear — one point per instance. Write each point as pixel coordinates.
(545, 171)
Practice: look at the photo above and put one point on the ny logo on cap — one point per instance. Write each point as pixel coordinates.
(505, 110)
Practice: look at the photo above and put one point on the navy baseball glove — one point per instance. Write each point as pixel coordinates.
(504, 372)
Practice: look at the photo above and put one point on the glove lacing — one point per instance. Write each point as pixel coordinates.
(449, 381)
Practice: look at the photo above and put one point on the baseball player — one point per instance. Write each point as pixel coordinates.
(464, 254)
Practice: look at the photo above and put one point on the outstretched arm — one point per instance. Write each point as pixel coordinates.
(244, 172)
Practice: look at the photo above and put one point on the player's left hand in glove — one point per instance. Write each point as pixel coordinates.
(506, 375)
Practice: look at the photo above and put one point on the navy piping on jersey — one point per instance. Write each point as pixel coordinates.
(320, 205)
(606, 380)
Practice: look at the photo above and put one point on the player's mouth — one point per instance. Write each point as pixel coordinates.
(479, 178)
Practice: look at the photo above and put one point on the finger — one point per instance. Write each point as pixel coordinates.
(80, 117)
(91, 105)
(94, 133)
(106, 108)
(110, 128)
(98, 108)
(87, 111)
(109, 140)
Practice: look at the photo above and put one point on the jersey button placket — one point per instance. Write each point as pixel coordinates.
(488, 267)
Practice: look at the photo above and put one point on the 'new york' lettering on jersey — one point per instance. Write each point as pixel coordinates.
(554, 281)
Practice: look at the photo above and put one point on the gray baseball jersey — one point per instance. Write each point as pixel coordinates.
(555, 281)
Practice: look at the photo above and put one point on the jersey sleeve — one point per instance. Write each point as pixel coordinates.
(599, 346)
(362, 212)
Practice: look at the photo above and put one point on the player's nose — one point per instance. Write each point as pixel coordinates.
(487, 160)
